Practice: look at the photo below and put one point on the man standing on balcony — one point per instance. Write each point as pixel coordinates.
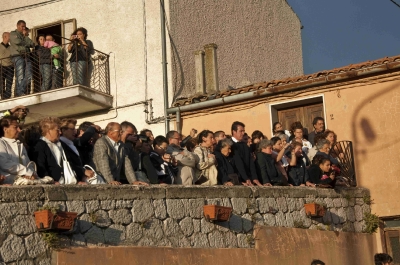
(7, 68)
(319, 127)
(20, 45)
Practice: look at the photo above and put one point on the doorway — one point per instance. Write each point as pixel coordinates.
(54, 30)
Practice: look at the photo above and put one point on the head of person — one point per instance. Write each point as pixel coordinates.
(283, 138)
(383, 259)
(160, 144)
(113, 131)
(21, 26)
(330, 136)
(225, 147)
(21, 113)
(143, 144)
(265, 146)
(206, 138)
(317, 262)
(68, 129)
(50, 128)
(9, 127)
(297, 130)
(86, 125)
(276, 144)
(128, 130)
(148, 133)
(318, 124)
(6, 37)
(323, 146)
(297, 147)
(81, 33)
(49, 37)
(246, 138)
(323, 163)
(40, 39)
(237, 130)
(318, 137)
(219, 135)
(174, 138)
(191, 144)
(277, 127)
(257, 136)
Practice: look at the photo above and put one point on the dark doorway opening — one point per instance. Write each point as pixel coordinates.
(54, 30)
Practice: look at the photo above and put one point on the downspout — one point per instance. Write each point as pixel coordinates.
(178, 121)
(164, 64)
(274, 90)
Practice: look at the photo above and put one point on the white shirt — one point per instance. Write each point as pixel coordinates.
(234, 139)
(13, 160)
(114, 144)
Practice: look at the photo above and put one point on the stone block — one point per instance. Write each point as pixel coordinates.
(214, 201)
(345, 202)
(257, 218)
(35, 245)
(95, 236)
(359, 201)
(64, 241)
(160, 210)
(85, 222)
(358, 227)
(291, 204)
(34, 206)
(199, 240)
(235, 223)
(175, 208)
(196, 208)
(222, 226)
(230, 240)
(3, 227)
(193, 192)
(358, 212)
(366, 209)
(282, 206)
(121, 204)
(171, 227)
(21, 193)
(247, 222)
(280, 219)
(12, 249)
(78, 240)
(107, 204)
(269, 219)
(335, 216)
(226, 202)
(76, 206)
(23, 225)
(341, 212)
(43, 261)
(327, 218)
(351, 216)
(267, 205)
(134, 232)
(244, 240)
(196, 225)
(337, 202)
(216, 239)
(289, 220)
(329, 202)
(120, 216)
(187, 226)
(102, 219)
(92, 206)
(239, 205)
(114, 234)
(142, 210)
(146, 242)
(306, 220)
(206, 227)
(153, 229)
(13, 209)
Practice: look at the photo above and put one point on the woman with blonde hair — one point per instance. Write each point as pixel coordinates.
(49, 154)
(15, 166)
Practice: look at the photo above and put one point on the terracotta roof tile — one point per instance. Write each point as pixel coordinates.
(274, 84)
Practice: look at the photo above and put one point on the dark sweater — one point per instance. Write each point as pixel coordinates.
(43, 55)
(226, 166)
(266, 169)
(152, 163)
(298, 174)
(244, 161)
(315, 174)
(85, 146)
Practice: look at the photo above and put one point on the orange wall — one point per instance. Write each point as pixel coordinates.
(273, 245)
(368, 114)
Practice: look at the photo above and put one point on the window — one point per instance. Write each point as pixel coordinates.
(392, 238)
(60, 30)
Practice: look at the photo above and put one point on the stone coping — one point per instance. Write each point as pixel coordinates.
(129, 192)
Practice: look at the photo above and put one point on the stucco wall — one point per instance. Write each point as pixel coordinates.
(257, 40)
(363, 111)
(169, 216)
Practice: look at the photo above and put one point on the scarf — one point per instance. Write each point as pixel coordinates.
(55, 148)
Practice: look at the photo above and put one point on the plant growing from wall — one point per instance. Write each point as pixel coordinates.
(93, 217)
(367, 200)
(371, 223)
(51, 239)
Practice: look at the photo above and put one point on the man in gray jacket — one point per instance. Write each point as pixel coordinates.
(7, 68)
(186, 160)
(20, 45)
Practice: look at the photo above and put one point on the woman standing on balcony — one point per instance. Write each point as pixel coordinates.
(81, 64)
(44, 62)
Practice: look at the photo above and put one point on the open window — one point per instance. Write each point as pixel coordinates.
(59, 30)
(391, 239)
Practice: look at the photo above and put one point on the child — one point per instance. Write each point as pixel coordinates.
(55, 49)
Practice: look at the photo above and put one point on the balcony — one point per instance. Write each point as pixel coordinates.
(73, 84)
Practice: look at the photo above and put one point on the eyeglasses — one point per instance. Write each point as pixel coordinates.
(120, 131)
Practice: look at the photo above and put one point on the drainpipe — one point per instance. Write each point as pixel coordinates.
(178, 121)
(164, 64)
(273, 90)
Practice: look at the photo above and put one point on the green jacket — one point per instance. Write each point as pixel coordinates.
(19, 43)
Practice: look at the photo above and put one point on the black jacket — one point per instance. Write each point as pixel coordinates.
(298, 174)
(266, 169)
(315, 175)
(152, 163)
(225, 167)
(85, 146)
(244, 161)
(74, 161)
(43, 55)
(45, 161)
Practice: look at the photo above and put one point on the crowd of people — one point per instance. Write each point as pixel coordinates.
(57, 151)
(20, 55)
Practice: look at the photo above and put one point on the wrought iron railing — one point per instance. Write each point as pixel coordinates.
(39, 71)
(343, 151)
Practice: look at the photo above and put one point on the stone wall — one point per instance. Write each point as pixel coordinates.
(166, 216)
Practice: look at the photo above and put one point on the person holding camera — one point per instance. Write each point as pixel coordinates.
(320, 173)
(80, 49)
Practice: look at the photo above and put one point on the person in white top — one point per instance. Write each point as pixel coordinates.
(15, 165)
(297, 131)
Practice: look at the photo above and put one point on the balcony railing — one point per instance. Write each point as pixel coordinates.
(40, 70)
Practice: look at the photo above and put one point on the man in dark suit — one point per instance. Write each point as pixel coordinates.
(109, 157)
(242, 156)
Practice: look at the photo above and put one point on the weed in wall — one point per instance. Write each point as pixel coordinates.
(371, 223)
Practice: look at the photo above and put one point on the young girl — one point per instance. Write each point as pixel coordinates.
(320, 173)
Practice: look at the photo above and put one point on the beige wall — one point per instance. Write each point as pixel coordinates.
(257, 41)
(274, 245)
(366, 113)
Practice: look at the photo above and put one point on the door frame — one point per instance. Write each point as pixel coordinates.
(275, 106)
